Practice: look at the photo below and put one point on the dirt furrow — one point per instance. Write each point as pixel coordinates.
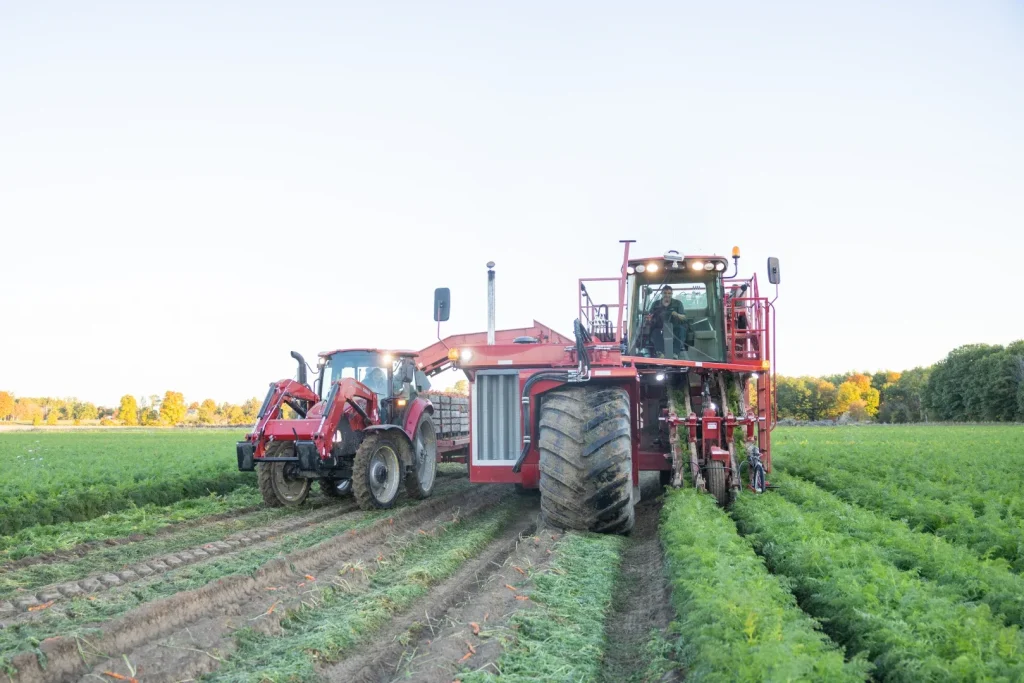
(231, 596)
(642, 601)
(97, 582)
(102, 581)
(466, 614)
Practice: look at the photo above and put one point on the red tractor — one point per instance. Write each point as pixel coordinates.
(363, 426)
(656, 379)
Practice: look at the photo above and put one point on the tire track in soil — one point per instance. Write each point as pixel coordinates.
(240, 514)
(429, 641)
(212, 613)
(95, 583)
(642, 600)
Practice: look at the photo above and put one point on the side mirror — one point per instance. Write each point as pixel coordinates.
(406, 372)
(442, 304)
(773, 270)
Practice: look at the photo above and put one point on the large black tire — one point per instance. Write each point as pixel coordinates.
(263, 475)
(715, 476)
(374, 488)
(329, 487)
(586, 470)
(279, 488)
(419, 481)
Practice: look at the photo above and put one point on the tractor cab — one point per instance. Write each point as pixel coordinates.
(391, 375)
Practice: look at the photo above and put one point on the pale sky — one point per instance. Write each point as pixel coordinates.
(189, 192)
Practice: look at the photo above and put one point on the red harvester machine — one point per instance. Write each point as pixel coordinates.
(657, 380)
(580, 418)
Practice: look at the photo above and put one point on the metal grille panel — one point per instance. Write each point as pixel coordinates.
(496, 416)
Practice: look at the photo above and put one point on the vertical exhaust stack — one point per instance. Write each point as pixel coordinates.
(490, 303)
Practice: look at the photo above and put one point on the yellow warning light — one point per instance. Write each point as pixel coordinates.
(766, 365)
(453, 354)
(735, 252)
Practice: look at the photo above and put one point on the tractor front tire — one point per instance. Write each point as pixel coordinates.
(586, 469)
(377, 471)
(715, 476)
(279, 488)
(264, 475)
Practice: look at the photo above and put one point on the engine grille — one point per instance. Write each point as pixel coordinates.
(496, 416)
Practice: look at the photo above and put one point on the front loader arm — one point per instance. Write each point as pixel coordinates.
(282, 391)
(345, 393)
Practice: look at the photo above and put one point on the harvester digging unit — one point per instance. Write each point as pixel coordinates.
(671, 358)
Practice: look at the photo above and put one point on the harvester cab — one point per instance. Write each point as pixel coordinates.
(362, 427)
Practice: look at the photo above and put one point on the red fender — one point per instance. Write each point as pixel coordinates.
(412, 416)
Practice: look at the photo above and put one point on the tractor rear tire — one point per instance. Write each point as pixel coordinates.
(715, 476)
(419, 481)
(586, 469)
(377, 471)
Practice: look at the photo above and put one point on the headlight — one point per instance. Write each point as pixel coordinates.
(652, 267)
(660, 376)
(640, 268)
(386, 360)
(697, 265)
(466, 355)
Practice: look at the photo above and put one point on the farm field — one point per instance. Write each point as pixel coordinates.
(883, 553)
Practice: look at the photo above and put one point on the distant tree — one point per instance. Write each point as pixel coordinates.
(86, 411)
(236, 416)
(792, 397)
(173, 408)
(37, 419)
(251, 409)
(208, 412)
(26, 409)
(51, 416)
(6, 405)
(128, 413)
(858, 411)
(821, 399)
(193, 407)
(149, 417)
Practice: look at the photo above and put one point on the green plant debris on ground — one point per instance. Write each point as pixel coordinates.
(912, 629)
(736, 621)
(52, 477)
(960, 482)
(145, 520)
(562, 637)
(974, 579)
(80, 616)
(321, 632)
(103, 557)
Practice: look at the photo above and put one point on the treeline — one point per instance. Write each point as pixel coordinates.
(974, 383)
(168, 410)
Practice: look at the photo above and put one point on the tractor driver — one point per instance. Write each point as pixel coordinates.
(377, 382)
(668, 311)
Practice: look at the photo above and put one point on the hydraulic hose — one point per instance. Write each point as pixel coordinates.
(525, 410)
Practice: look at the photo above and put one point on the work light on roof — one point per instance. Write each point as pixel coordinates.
(709, 266)
(697, 265)
(719, 266)
(641, 268)
(652, 267)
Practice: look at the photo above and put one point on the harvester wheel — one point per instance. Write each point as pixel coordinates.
(715, 475)
(586, 470)
(419, 482)
(281, 485)
(376, 472)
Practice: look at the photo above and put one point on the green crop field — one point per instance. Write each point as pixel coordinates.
(52, 477)
(881, 553)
